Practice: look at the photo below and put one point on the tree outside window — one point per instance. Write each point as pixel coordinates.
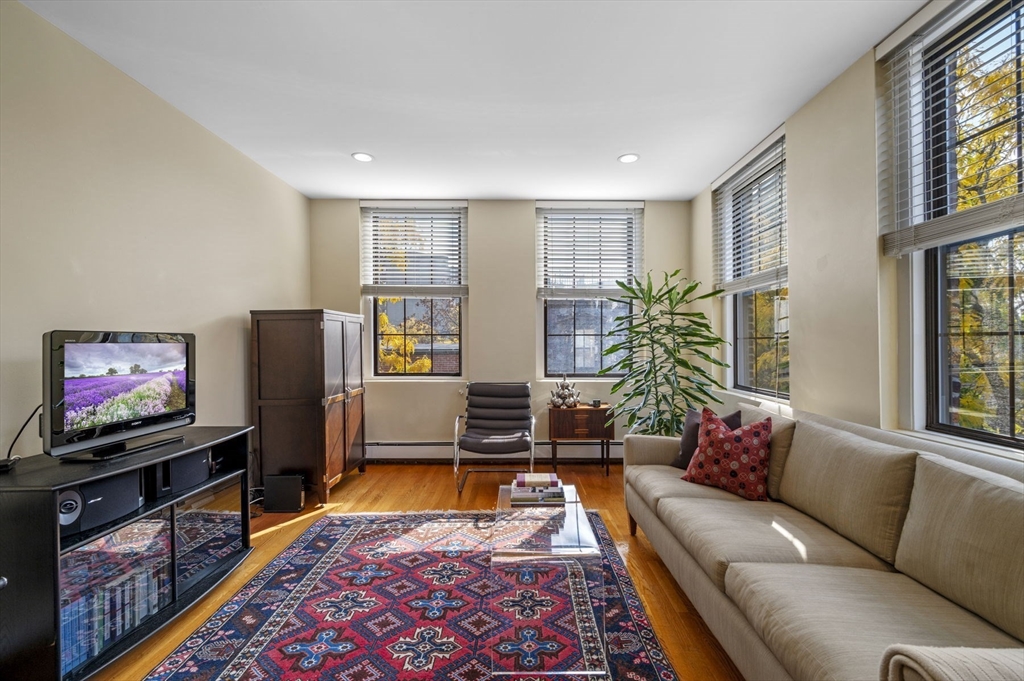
(977, 374)
(418, 336)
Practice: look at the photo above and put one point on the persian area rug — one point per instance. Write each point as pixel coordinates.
(414, 596)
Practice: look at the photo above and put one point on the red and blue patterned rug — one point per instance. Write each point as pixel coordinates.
(414, 596)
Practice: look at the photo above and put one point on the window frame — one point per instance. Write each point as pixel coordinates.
(551, 261)
(933, 319)
(737, 365)
(374, 281)
(377, 335)
(600, 336)
(940, 186)
(740, 214)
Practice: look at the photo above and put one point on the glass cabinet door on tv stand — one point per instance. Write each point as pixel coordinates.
(73, 603)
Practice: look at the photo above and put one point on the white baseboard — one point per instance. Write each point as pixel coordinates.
(400, 451)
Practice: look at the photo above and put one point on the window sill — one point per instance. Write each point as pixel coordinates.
(413, 378)
(756, 398)
(964, 443)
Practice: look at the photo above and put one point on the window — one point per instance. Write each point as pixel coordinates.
(417, 336)
(581, 253)
(414, 269)
(761, 341)
(952, 185)
(575, 330)
(976, 323)
(751, 258)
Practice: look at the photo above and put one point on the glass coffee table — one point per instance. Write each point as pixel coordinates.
(547, 592)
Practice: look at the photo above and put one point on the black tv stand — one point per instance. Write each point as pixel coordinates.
(155, 559)
(119, 449)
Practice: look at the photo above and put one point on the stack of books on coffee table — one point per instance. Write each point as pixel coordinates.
(537, 488)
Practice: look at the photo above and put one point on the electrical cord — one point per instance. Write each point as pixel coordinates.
(11, 448)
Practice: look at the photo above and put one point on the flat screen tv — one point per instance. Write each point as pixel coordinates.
(102, 389)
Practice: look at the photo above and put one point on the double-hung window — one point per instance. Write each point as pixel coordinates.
(751, 260)
(413, 268)
(582, 250)
(952, 185)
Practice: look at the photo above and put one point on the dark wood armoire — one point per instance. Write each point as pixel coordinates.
(307, 395)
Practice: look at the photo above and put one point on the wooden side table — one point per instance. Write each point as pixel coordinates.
(581, 423)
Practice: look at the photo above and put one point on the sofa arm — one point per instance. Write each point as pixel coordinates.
(645, 450)
(902, 662)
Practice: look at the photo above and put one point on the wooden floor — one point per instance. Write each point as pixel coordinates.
(690, 646)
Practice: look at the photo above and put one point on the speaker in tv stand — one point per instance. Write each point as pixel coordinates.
(69, 603)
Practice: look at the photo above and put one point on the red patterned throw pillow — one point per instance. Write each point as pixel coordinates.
(735, 460)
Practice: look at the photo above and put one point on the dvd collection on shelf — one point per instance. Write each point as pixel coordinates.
(95, 617)
(537, 488)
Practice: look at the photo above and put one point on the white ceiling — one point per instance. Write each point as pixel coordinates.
(527, 100)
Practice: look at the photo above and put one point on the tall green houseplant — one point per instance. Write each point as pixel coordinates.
(667, 355)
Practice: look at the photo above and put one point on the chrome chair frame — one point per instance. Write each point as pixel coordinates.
(460, 484)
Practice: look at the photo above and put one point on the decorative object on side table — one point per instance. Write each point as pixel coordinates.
(666, 367)
(565, 396)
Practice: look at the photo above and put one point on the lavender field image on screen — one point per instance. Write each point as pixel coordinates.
(111, 382)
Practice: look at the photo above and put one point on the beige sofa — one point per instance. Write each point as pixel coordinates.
(880, 556)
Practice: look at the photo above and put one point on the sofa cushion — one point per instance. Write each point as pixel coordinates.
(654, 483)
(735, 460)
(719, 533)
(688, 442)
(781, 441)
(826, 622)
(858, 487)
(964, 537)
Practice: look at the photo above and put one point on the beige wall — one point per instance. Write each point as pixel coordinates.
(334, 254)
(833, 250)
(119, 212)
(842, 291)
(501, 320)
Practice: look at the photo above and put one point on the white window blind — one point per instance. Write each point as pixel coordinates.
(414, 252)
(950, 130)
(751, 248)
(582, 252)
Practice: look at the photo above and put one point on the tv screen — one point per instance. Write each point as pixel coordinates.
(110, 382)
(102, 388)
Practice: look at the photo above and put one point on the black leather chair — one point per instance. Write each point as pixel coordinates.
(498, 421)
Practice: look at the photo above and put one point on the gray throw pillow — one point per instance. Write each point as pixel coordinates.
(688, 445)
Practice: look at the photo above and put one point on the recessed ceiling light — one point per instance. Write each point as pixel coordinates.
(360, 156)
(629, 158)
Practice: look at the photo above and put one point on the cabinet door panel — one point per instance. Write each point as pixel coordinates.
(208, 529)
(561, 423)
(353, 354)
(597, 420)
(354, 447)
(334, 357)
(111, 585)
(288, 359)
(334, 420)
(287, 441)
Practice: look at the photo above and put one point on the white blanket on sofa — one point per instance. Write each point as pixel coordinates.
(921, 663)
